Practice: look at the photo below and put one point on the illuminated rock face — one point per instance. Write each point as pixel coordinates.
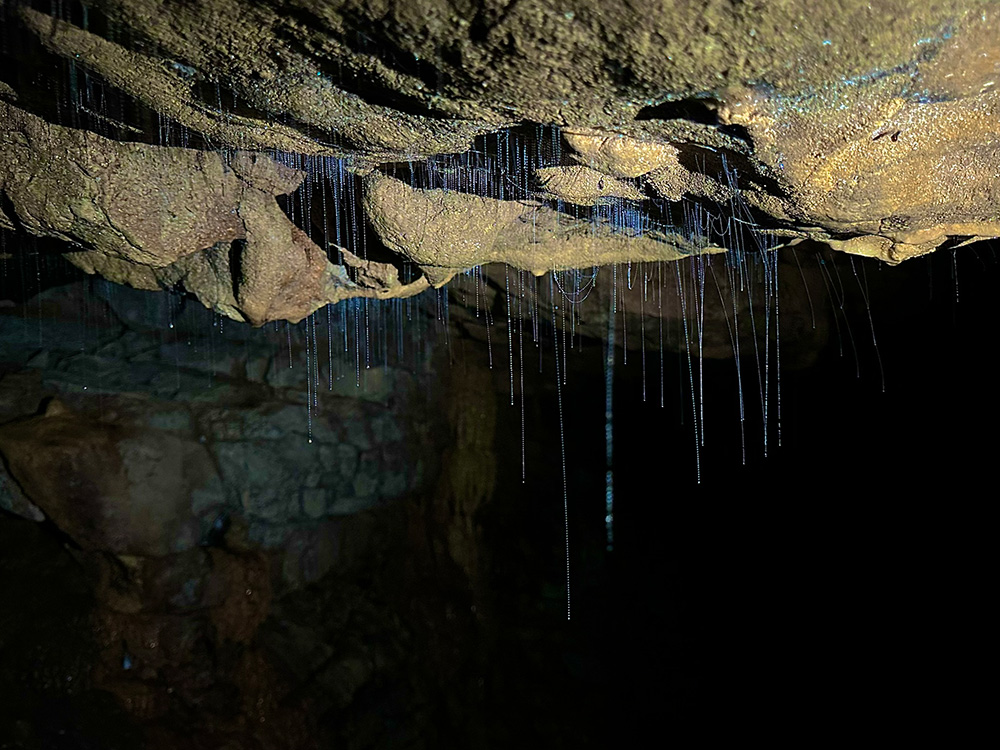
(391, 137)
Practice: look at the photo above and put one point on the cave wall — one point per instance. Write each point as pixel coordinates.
(277, 532)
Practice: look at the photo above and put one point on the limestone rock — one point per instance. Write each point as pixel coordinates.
(444, 232)
(785, 119)
(106, 487)
(157, 217)
(619, 155)
(584, 185)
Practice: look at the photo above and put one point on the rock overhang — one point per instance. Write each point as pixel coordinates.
(414, 128)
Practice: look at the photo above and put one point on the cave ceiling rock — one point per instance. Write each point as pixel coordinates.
(584, 186)
(620, 156)
(871, 127)
(883, 175)
(241, 46)
(163, 88)
(156, 217)
(145, 205)
(631, 164)
(587, 63)
(895, 166)
(445, 232)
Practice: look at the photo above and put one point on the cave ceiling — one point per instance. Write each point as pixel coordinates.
(274, 157)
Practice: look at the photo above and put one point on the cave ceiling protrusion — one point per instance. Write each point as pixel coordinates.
(271, 158)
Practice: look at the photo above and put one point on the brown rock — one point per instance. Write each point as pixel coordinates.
(107, 487)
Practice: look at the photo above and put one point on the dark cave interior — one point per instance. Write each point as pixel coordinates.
(856, 548)
(220, 529)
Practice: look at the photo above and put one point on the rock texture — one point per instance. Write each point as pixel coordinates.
(146, 431)
(777, 121)
(162, 217)
(285, 536)
(253, 542)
